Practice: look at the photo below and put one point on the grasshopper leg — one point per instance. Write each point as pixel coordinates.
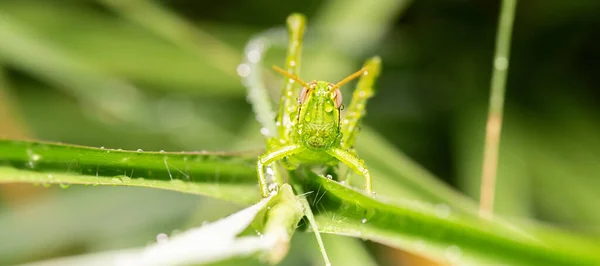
(269, 158)
(355, 164)
(296, 24)
(356, 110)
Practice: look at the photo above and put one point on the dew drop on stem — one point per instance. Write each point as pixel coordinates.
(162, 238)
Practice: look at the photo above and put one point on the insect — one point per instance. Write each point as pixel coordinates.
(310, 128)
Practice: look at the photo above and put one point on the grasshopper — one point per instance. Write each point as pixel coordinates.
(310, 128)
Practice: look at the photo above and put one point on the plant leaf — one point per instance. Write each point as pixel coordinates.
(275, 216)
(227, 176)
(439, 232)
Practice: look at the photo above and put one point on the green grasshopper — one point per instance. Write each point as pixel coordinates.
(310, 128)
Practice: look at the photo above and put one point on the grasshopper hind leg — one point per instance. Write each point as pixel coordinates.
(356, 110)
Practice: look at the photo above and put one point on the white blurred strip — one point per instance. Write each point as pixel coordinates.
(208, 243)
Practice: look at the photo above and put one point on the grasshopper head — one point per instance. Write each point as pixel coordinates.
(319, 115)
(318, 124)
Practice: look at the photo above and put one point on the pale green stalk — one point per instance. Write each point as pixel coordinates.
(494, 122)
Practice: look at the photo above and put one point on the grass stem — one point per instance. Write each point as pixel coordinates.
(494, 121)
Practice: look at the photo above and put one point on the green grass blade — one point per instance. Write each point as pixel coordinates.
(250, 70)
(128, 50)
(357, 26)
(398, 176)
(220, 175)
(312, 223)
(439, 233)
(177, 30)
(494, 120)
(105, 95)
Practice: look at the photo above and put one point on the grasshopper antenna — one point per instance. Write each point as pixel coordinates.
(349, 78)
(285, 73)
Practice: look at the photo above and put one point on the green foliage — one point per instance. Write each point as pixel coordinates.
(433, 230)
(219, 175)
(137, 75)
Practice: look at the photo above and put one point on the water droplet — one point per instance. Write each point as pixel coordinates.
(119, 149)
(346, 121)
(50, 176)
(364, 220)
(374, 194)
(365, 72)
(162, 151)
(293, 63)
(162, 238)
(501, 63)
(254, 56)
(343, 182)
(264, 131)
(102, 147)
(140, 150)
(64, 186)
(269, 171)
(453, 253)
(328, 108)
(329, 177)
(342, 107)
(291, 81)
(243, 70)
(35, 157)
(442, 210)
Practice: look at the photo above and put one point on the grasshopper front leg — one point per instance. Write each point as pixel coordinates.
(355, 164)
(269, 158)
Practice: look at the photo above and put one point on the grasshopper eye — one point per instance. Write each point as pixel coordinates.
(337, 98)
(303, 95)
(305, 90)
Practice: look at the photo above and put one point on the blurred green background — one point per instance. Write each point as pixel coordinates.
(161, 75)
